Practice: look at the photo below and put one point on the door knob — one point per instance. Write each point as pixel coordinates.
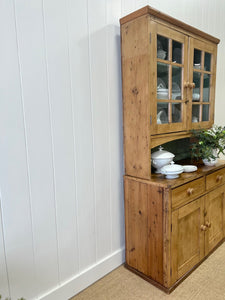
(190, 191)
(192, 85)
(203, 228)
(219, 178)
(208, 224)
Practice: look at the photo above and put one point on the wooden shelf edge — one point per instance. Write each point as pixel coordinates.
(157, 140)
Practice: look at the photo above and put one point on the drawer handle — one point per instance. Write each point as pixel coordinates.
(190, 191)
(203, 228)
(219, 178)
(208, 224)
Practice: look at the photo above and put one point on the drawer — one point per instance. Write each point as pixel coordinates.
(215, 179)
(187, 192)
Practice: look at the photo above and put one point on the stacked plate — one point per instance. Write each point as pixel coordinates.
(162, 91)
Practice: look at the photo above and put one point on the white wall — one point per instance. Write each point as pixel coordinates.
(61, 161)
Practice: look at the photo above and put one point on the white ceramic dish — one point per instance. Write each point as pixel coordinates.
(197, 66)
(172, 170)
(160, 83)
(162, 93)
(161, 54)
(195, 97)
(161, 158)
(189, 168)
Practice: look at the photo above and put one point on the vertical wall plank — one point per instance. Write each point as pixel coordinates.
(4, 283)
(141, 3)
(98, 64)
(57, 50)
(35, 95)
(15, 206)
(127, 6)
(81, 105)
(115, 123)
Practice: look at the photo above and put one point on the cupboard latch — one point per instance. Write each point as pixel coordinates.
(150, 120)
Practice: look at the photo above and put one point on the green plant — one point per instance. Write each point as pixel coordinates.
(207, 141)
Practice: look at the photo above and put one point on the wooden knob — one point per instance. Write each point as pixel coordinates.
(208, 224)
(189, 85)
(190, 191)
(219, 178)
(203, 228)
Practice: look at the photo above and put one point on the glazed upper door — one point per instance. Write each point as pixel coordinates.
(168, 57)
(201, 84)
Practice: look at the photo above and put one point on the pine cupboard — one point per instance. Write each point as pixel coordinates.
(168, 76)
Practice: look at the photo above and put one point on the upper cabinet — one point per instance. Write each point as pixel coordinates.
(183, 88)
(169, 75)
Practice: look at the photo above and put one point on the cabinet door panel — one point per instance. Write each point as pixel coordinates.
(214, 219)
(202, 76)
(169, 54)
(187, 238)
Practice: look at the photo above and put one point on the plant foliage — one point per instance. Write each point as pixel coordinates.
(207, 141)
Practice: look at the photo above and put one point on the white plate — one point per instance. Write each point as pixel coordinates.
(189, 168)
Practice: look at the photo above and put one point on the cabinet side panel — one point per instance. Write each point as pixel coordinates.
(136, 116)
(166, 236)
(136, 219)
(143, 221)
(155, 232)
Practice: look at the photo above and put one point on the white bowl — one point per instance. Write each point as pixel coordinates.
(162, 93)
(197, 66)
(161, 54)
(172, 171)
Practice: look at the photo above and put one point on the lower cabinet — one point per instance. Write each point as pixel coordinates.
(197, 228)
(171, 228)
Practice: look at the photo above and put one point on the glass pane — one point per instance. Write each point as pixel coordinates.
(207, 64)
(195, 113)
(162, 81)
(206, 87)
(196, 90)
(176, 82)
(176, 112)
(162, 113)
(162, 47)
(205, 113)
(177, 52)
(197, 59)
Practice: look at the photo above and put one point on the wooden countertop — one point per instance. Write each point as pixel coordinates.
(160, 179)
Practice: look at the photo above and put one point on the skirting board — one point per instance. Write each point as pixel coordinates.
(87, 277)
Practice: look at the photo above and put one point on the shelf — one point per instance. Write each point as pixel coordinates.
(157, 140)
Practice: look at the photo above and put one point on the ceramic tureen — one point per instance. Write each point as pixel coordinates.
(161, 158)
